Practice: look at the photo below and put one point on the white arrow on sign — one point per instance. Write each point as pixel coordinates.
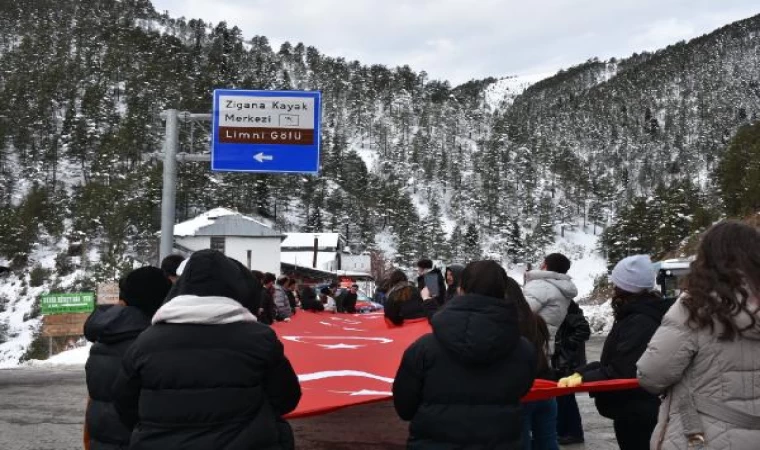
(261, 157)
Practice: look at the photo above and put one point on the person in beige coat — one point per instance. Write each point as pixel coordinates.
(705, 358)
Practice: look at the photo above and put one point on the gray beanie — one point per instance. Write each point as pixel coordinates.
(634, 274)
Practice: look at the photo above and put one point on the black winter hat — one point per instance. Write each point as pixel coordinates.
(145, 289)
(209, 273)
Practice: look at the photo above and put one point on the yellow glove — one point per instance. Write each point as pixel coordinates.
(572, 381)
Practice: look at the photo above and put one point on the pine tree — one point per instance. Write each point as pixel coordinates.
(472, 249)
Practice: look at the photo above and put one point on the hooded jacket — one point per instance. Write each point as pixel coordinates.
(461, 385)
(688, 365)
(549, 295)
(635, 324)
(112, 329)
(456, 271)
(207, 374)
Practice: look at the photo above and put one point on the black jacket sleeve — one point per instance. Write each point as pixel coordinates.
(629, 343)
(126, 389)
(281, 382)
(441, 297)
(581, 331)
(393, 312)
(407, 387)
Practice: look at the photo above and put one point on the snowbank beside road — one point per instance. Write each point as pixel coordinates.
(599, 317)
(75, 357)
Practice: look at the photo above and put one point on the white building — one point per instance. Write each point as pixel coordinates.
(322, 251)
(255, 244)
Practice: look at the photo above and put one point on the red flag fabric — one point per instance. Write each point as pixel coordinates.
(344, 360)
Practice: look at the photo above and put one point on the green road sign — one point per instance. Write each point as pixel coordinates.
(82, 302)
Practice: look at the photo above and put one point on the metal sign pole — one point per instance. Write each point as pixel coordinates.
(168, 199)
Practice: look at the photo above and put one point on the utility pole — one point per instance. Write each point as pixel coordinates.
(171, 157)
(169, 196)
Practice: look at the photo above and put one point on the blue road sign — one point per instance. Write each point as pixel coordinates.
(266, 131)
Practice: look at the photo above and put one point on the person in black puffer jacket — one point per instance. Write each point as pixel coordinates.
(112, 329)
(207, 375)
(638, 312)
(404, 301)
(461, 385)
(569, 355)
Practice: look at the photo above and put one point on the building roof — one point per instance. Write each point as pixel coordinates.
(224, 222)
(306, 241)
(306, 259)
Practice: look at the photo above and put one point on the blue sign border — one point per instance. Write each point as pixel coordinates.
(307, 156)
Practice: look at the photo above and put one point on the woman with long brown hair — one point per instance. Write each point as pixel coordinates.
(404, 301)
(705, 358)
(539, 417)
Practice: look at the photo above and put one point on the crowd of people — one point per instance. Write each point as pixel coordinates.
(187, 359)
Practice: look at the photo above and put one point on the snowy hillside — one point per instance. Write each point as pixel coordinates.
(19, 313)
(504, 91)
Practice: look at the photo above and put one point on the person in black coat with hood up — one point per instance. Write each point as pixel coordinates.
(207, 375)
(638, 312)
(461, 385)
(112, 329)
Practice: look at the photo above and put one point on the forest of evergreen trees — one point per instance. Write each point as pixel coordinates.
(635, 143)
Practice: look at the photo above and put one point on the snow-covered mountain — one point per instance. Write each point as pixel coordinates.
(411, 166)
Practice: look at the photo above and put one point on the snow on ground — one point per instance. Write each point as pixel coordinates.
(363, 148)
(386, 243)
(599, 317)
(75, 357)
(505, 90)
(19, 302)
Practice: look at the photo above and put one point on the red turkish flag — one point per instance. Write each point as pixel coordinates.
(344, 360)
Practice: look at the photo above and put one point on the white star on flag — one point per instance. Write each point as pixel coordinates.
(340, 346)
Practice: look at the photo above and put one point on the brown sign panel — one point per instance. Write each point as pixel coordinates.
(64, 324)
(290, 136)
(107, 294)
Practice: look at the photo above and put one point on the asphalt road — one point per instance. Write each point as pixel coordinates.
(43, 409)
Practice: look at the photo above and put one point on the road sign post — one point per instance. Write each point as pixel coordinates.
(266, 131)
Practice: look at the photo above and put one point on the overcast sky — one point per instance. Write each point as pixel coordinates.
(460, 40)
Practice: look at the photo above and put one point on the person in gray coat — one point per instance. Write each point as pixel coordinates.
(281, 301)
(549, 292)
(705, 358)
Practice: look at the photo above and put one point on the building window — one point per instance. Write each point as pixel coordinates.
(217, 243)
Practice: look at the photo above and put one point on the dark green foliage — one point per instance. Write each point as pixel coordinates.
(658, 224)
(38, 276)
(39, 349)
(738, 173)
(63, 265)
(3, 327)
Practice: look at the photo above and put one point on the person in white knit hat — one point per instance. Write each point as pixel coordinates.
(638, 311)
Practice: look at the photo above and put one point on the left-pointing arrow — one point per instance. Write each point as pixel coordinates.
(261, 157)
